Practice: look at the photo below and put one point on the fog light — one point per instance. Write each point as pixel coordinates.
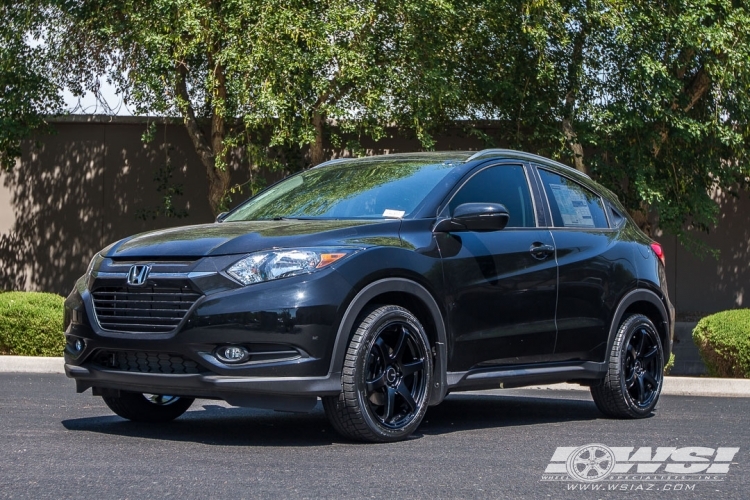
(232, 354)
(78, 345)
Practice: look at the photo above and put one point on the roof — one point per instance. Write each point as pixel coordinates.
(462, 156)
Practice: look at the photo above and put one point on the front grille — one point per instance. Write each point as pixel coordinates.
(146, 362)
(142, 309)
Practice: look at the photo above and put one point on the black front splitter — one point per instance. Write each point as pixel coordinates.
(276, 393)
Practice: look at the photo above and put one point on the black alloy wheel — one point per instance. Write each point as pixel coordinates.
(395, 375)
(634, 379)
(386, 378)
(643, 369)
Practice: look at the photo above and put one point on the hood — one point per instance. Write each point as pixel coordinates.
(243, 237)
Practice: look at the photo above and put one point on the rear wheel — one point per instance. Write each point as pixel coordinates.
(635, 374)
(141, 407)
(385, 380)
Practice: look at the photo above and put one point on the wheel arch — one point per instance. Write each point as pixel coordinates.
(420, 302)
(649, 304)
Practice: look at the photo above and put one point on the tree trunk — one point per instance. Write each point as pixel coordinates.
(574, 145)
(698, 87)
(218, 178)
(317, 153)
(641, 218)
(218, 185)
(574, 71)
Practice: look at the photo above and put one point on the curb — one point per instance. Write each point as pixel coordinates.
(679, 386)
(31, 364)
(673, 386)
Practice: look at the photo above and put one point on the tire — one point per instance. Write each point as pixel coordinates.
(635, 375)
(385, 379)
(140, 407)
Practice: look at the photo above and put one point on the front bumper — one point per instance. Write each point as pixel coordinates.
(288, 325)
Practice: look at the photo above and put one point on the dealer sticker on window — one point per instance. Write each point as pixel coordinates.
(573, 206)
(396, 214)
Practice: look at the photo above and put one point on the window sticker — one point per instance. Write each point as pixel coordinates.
(573, 206)
(393, 213)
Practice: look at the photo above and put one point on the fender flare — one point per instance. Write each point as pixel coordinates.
(403, 285)
(630, 298)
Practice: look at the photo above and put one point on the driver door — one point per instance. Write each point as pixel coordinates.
(502, 285)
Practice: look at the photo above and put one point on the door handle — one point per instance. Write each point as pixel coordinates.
(540, 251)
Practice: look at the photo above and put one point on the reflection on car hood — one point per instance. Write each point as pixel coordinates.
(242, 237)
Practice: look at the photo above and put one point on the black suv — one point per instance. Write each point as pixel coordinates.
(380, 285)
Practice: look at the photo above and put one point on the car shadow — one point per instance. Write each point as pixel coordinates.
(461, 412)
(219, 425)
(214, 424)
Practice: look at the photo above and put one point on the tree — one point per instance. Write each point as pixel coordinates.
(650, 98)
(365, 66)
(28, 93)
(676, 126)
(271, 73)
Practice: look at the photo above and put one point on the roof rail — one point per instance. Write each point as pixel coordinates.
(510, 153)
(330, 162)
(438, 155)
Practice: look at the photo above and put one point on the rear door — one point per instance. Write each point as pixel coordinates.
(593, 269)
(502, 285)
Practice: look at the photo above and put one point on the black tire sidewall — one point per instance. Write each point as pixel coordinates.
(134, 406)
(387, 316)
(629, 327)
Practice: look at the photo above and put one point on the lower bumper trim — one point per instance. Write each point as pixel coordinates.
(278, 393)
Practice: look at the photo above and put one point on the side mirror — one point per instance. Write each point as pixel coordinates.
(220, 217)
(475, 217)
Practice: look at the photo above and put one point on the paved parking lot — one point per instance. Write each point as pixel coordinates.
(59, 444)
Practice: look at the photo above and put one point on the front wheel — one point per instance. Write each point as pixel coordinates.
(385, 380)
(635, 374)
(141, 407)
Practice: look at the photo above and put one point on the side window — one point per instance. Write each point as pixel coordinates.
(501, 184)
(615, 216)
(572, 205)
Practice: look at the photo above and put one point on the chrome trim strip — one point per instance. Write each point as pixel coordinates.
(518, 155)
(192, 275)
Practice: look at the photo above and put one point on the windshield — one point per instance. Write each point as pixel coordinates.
(356, 189)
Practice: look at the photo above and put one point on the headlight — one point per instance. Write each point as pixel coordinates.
(275, 264)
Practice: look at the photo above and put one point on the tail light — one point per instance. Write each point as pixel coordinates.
(656, 247)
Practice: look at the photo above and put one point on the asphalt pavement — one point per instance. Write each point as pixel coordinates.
(496, 444)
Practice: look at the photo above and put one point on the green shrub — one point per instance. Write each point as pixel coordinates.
(724, 342)
(670, 364)
(31, 324)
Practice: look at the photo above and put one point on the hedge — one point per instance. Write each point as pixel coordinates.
(724, 343)
(31, 324)
(670, 364)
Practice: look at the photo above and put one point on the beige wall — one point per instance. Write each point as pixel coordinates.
(699, 285)
(82, 187)
(78, 191)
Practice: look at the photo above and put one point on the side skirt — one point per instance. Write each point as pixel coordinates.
(519, 376)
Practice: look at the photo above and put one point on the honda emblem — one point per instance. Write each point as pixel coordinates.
(138, 274)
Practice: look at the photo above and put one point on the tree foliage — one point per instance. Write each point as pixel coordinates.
(676, 127)
(649, 97)
(27, 90)
(247, 67)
